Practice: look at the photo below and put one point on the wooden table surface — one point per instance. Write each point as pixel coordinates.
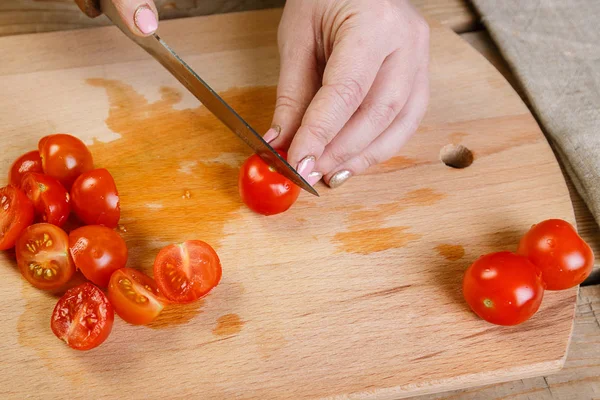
(580, 378)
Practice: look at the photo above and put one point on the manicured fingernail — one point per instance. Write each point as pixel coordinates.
(314, 177)
(306, 166)
(145, 20)
(339, 178)
(272, 134)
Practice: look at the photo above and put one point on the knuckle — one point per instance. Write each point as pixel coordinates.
(319, 133)
(382, 114)
(350, 91)
(339, 156)
(370, 159)
(287, 102)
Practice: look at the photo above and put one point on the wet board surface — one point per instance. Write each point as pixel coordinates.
(356, 294)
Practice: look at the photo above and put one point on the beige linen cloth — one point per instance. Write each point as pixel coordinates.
(553, 48)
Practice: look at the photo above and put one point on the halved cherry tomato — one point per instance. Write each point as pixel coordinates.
(263, 189)
(43, 256)
(97, 251)
(503, 288)
(28, 162)
(135, 296)
(49, 197)
(64, 157)
(187, 271)
(95, 198)
(564, 258)
(83, 317)
(16, 214)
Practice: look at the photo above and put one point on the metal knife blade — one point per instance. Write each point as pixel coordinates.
(158, 49)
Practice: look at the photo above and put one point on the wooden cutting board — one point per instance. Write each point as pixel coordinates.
(356, 294)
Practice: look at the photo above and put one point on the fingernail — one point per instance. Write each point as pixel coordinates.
(339, 178)
(305, 167)
(314, 177)
(272, 134)
(145, 20)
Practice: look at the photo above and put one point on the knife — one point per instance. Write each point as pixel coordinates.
(158, 49)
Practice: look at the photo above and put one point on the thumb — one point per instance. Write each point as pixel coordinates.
(299, 80)
(140, 16)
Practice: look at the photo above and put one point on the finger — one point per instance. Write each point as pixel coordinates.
(299, 80)
(389, 143)
(140, 16)
(382, 104)
(347, 78)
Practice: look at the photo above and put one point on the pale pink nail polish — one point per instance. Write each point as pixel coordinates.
(145, 20)
(314, 177)
(306, 166)
(271, 135)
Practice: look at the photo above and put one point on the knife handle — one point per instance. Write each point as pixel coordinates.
(91, 8)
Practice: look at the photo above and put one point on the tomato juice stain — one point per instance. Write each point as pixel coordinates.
(451, 252)
(229, 324)
(369, 241)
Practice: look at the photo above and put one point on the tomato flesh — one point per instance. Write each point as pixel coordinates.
(263, 189)
(83, 317)
(97, 251)
(135, 296)
(187, 271)
(16, 214)
(28, 162)
(43, 256)
(64, 157)
(564, 258)
(50, 199)
(95, 198)
(503, 288)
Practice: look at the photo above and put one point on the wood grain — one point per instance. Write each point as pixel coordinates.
(29, 16)
(308, 307)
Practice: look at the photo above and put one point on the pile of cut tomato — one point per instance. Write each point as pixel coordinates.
(45, 187)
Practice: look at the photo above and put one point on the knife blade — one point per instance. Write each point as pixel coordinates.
(158, 49)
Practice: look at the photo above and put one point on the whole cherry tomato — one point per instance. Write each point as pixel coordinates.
(97, 251)
(135, 296)
(263, 189)
(28, 162)
(95, 198)
(43, 256)
(16, 214)
(64, 157)
(503, 288)
(49, 197)
(564, 258)
(83, 318)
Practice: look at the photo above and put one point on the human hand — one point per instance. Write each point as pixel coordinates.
(353, 84)
(140, 16)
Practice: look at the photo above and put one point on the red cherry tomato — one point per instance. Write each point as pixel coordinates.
(503, 288)
(28, 162)
(64, 157)
(187, 271)
(43, 256)
(83, 317)
(564, 258)
(263, 189)
(95, 198)
(50, 199)
(16, 214)
(135, 296)
(97, 251)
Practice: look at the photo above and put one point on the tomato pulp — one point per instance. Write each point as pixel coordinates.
(263, 189)
(43, 256)
(83, 317)
(16, 214)
(135, 296)
(187, 271)
(503, 288)
(50, 199)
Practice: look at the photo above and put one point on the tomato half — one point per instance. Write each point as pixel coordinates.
(28, 162)
(187, 271)
(263, 189)
(16, 214)
(83, 317)
(64, 157)
(503, 288)
(135, 296)
(95, 199)
(97, 251)
(43, 256)
(564, 258)
(50, 199)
